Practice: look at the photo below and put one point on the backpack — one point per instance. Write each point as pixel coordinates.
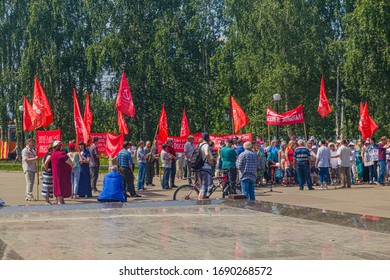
(197, 161)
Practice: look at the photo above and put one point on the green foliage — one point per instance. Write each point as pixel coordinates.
(197, 53)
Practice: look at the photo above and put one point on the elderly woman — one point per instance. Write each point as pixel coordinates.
(113, 190)
(62, 171)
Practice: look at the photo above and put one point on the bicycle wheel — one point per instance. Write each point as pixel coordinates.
(230, 190)
(186, 192)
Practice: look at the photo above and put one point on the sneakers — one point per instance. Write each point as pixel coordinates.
(30, 197)
(320, 188)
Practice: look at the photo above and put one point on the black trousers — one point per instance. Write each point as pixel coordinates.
(173, 174)
(128, 180)
(94, 171)
(149, 172)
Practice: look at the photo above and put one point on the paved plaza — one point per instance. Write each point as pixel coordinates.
(321, 224)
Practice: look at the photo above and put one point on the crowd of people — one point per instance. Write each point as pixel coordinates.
(74, 172)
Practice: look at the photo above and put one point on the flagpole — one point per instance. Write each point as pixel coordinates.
(269, 136)
(231, 114)
(154, 139)
(37, 169)
(304, 127)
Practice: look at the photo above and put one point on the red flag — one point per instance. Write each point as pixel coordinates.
(366, 124)
(87, 114)
(114, 144)
(163, 125)
(124, 100)
(41, 106)
(79, 125)
(122, 124)
(323, 107)
(239, 117)
(185, 130)
(28, 116)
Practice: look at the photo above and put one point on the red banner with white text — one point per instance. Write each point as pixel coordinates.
(45, 138)
(293, 116)
(178, 142)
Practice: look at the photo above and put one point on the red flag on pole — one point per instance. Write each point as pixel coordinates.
(79, 125)
(323, 107)
(28, 116)
(185, 129)
(163, 125)
(88, 114)
(366, 124)
(41, 106)
(122, 124)
(124, 100)
(238, 115)
(114, 144)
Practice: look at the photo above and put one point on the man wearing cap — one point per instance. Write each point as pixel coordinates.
(172, 152)
(302, 164)
(29, 164)
(247, 164)
(229, 158)
(382, 146)
(94, 163)
(188, 151)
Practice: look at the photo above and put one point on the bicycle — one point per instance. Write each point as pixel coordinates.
(191, 191)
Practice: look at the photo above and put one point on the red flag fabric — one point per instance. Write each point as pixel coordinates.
(41, 106)
(88, 114)
(79, 125)
(122, 124)
(124, 100)
(28, 116)
(163, 125)
(324, 108)
(293, 116)
(185, 129)
(239, 117)
(366, 124)
(114, 144)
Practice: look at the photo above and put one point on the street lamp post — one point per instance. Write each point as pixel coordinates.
(277, 98)
(21, 109)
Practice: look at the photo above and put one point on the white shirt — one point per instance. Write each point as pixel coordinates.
(345, 155)
(323, 156)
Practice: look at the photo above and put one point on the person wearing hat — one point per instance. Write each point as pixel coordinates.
(189, 148)
(368, 160)
(247, 164)
(62, 171)
(29, 165)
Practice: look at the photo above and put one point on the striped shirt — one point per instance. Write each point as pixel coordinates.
(302, 154)
(124, 159)
(247, 164)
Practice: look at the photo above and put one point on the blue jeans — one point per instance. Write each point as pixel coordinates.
(248, 189)
(382, 166)
(303, 174)
(75, 178)
(375, 171)
(205, 180)
(370, 173)
(167, 173)
(141, 175)
(324, 175)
